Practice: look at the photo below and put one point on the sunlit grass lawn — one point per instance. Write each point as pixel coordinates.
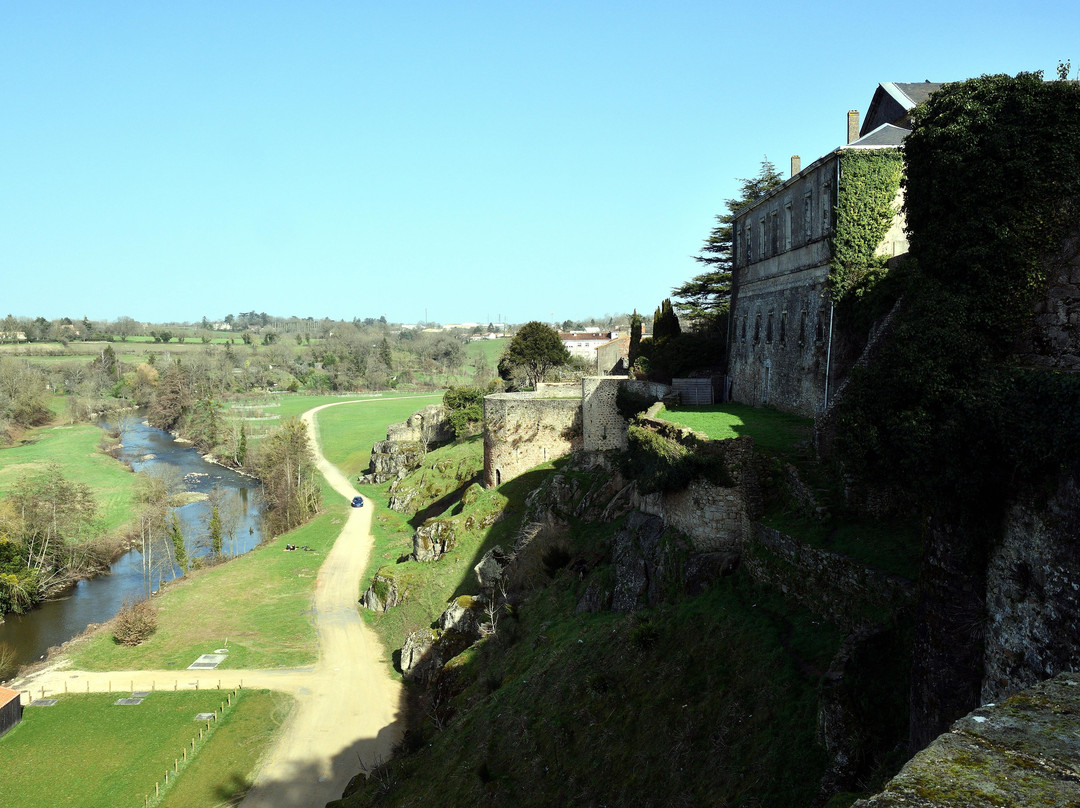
(260, 603)
(87, 752)
(772, 430)
(75, 449)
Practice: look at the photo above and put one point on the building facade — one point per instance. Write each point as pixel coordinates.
(781, 325)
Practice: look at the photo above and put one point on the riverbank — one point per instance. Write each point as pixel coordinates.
(276, 616)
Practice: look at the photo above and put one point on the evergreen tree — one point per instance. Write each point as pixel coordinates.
(635, 337)
(707, 296)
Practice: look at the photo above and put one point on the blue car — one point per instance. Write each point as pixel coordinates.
(358, 502)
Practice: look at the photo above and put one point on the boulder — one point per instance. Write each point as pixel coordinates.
(464, 615)
(433, 539)
(383, 593)
(489, 571)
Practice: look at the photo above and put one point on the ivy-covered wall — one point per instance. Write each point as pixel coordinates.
(952, 416)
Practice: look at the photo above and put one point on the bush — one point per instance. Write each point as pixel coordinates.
(135, 622)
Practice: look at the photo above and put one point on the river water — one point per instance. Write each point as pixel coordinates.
(29, 636)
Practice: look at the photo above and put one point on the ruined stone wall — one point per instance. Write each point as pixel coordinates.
(1033, 594)
(712, 517)
(522, 430)
(831, 585)
(1054, 339)
(602, 425)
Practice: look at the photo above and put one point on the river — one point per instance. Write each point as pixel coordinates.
(96, 600)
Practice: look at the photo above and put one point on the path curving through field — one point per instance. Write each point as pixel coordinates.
(345, 717)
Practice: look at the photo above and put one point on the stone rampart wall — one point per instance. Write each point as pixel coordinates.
(1033, 594)
(522, 430)
(833, 586)
(603, 427)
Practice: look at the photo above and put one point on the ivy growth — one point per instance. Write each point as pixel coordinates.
(944, 412)
(865, 207)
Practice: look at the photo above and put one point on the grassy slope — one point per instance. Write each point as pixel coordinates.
(347, 433)
(113, 755)
(75, 449)
(708, 701)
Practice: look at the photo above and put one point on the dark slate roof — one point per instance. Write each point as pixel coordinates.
(884, 135)
(893, 101)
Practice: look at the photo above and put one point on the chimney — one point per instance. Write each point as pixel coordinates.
(796, 164)
(852, 125)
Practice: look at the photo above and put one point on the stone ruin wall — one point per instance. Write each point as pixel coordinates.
(1054, 339)
(523, 430)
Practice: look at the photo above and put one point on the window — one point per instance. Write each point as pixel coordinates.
(819, 337)
(757, 328)
(808, 216)
(783, 328)
(787, 227)
(749, 232)
(761, 238)
(768, 328)
(802, 328)
(774, 235)
(745, 317)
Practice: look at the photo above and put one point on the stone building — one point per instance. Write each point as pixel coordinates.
(781, 326)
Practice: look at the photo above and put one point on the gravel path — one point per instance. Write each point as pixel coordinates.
(345, 717)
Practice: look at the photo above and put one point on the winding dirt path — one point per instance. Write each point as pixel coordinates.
(345, 717)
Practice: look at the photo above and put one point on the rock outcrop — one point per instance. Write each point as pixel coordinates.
(406, 444)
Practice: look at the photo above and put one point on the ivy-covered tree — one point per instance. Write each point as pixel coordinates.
(704, 299)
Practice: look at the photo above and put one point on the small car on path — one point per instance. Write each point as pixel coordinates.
(358, 502)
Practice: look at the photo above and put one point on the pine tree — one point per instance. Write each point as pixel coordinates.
(707, 296)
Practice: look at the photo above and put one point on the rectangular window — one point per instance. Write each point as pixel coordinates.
(787, 227)
(775, 235)
(768, 328)
(757, 328)
(749, 234)
(761, 238)
(783, 328)
(808, 216)
(826, 210)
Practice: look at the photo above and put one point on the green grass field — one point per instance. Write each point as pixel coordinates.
(773, 431)
(347, 433)
(87, 752)
(260, 602)
(75, 449)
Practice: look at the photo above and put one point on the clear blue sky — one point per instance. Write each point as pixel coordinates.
(455, 160)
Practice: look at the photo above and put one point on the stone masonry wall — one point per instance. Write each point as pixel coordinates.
(604, 428)
(522, 430)
(1054, 340)
(831, 585)
(1033, 594)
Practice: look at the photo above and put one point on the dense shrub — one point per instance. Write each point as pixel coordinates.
(135, 622)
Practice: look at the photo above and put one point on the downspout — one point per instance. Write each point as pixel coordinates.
(828, 356)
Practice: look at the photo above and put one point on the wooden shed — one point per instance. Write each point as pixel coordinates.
(10, 709)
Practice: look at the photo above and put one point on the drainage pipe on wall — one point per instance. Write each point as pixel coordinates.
(828, 356)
